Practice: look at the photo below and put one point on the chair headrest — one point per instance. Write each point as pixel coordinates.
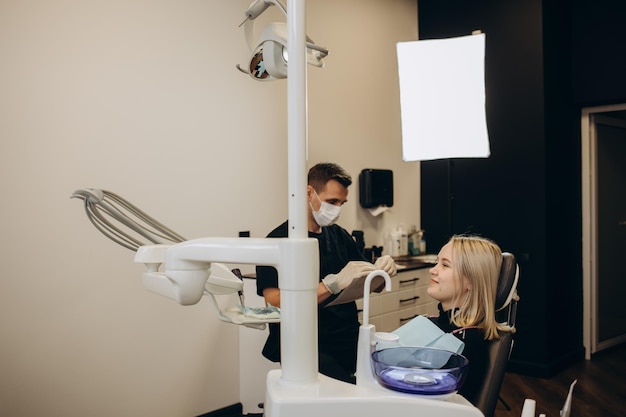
(507, 282)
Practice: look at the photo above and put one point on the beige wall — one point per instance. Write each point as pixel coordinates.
(142, 98)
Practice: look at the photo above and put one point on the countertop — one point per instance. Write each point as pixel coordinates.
(408, 263)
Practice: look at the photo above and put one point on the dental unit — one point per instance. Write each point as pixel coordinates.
(186, 270)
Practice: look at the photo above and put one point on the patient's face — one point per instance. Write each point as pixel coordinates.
(444, 284)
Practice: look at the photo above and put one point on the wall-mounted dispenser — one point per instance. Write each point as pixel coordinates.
(376, 188)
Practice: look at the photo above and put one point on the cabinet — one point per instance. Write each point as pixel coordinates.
(407, 299)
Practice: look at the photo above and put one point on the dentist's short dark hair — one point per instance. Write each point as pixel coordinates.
(323, 172)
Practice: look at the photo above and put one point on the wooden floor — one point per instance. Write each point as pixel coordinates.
(599, 392)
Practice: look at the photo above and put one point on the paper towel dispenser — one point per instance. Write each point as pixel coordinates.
(376, 188)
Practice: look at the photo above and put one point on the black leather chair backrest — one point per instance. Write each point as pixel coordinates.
(500, 349)
(507, 283)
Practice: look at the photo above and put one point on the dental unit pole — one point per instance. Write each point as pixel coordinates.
(298, 286)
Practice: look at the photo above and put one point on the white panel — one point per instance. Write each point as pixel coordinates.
(442, 95)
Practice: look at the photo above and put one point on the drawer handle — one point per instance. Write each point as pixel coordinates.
(409, 300)
(409, 281)
(404, 320)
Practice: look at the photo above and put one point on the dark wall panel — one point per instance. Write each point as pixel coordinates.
(526, 196)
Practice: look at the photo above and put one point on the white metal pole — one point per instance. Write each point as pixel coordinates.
(299, 272)
(297, 118)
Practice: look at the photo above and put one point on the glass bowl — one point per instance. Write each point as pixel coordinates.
(420, 370)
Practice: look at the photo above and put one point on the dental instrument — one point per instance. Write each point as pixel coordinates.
(132, 228)
(104, 207)
(242, 300)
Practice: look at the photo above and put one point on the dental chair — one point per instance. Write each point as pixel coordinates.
(500, 349)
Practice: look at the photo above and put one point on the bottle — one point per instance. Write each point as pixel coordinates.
(396, 237)
(404, 240)
(422, 243)
(414, 241)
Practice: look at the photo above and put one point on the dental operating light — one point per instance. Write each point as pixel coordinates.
(269, 57)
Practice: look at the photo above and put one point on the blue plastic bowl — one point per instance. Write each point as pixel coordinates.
(420, 370)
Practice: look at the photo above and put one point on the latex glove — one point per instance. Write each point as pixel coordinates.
(387, 264)
(335, 283)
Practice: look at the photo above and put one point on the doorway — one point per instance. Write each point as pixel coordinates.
(604, 226)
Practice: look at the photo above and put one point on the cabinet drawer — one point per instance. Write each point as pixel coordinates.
(375, 304)
(387, 322)
(396, 300)
(421, 295)
(406, 316)
(427, 309)
(410, 291)
(405, 280)
(375, 320)
(413, 278)
(391, 321)
(423, 274)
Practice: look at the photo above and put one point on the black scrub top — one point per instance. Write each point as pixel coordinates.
(338, 326)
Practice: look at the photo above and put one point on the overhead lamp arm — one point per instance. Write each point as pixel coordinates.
(259, 6)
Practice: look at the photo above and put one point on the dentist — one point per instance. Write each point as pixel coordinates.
(340, 263)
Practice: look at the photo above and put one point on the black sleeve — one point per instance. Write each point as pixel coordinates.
(267, 276)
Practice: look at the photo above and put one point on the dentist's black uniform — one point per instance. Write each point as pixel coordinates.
(338, 326)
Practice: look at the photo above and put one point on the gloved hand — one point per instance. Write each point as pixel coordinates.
(335, 283)
(387, 264)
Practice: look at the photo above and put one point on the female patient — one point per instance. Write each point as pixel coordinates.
(464, 282)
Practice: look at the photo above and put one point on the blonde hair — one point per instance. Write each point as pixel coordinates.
(478, 260)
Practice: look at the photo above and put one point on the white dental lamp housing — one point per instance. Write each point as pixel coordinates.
(269, 59)
(271, 53)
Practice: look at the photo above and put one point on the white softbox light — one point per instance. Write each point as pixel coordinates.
(442, 98)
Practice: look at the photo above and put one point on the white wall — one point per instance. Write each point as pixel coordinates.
(142, 98)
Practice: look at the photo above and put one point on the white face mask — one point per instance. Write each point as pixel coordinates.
(327, 214)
